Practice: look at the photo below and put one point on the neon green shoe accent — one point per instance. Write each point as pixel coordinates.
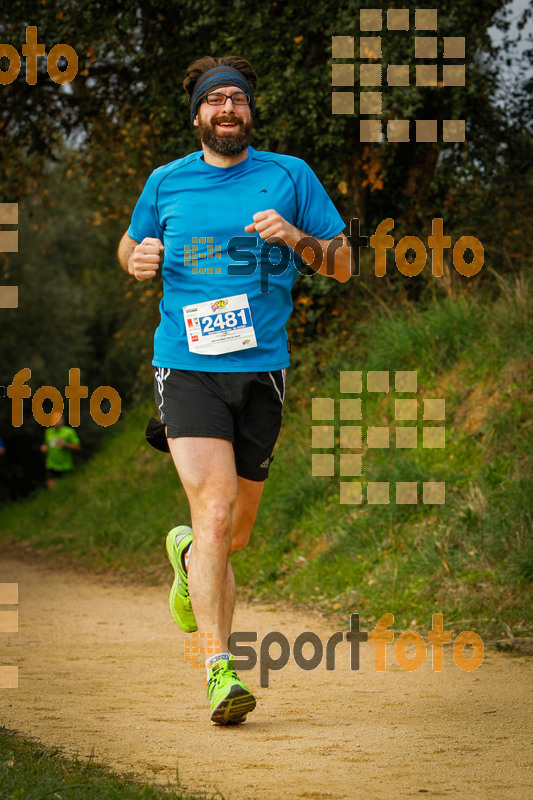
(179, 601)
(230, 699)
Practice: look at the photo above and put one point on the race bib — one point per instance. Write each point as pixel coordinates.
(220, 326)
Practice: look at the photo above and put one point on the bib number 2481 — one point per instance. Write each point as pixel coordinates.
(224, 321)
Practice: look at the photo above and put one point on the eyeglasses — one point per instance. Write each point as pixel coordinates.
(219, 99)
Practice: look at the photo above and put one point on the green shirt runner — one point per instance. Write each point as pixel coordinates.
(59, 458)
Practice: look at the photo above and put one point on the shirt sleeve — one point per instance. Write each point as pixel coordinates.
(71, 436)
(145, 217)
(317, 216)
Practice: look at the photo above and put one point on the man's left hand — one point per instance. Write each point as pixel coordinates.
(273, 228)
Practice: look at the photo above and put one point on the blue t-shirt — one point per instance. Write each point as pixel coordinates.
(197, 210)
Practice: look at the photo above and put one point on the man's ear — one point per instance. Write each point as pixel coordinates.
(195, 121)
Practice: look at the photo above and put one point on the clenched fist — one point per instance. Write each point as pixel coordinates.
(145, 259)
(272, 227)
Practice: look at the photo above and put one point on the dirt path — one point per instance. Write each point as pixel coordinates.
(101, 668)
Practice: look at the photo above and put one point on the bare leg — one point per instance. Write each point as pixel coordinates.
(248, 498)
(207, 470)
(223, 511)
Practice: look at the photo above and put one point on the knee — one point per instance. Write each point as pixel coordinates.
(216, 520)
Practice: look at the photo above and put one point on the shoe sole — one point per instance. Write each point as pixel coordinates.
(234, 708)
(171, 536)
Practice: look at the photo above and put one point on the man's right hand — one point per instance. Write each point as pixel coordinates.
(144, 261)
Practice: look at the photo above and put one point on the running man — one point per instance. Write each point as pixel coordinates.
(60, 442)
(221, 348)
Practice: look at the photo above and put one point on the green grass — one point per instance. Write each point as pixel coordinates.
(113, 511)
(29, 771)
(470, 558)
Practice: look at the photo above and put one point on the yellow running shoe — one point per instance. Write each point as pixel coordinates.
(230, 699)
(179, 601)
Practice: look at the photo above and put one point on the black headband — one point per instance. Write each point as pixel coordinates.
(216, 77)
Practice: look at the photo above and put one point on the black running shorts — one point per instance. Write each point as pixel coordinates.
(242, 407)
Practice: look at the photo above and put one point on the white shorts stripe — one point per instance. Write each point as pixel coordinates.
(281, 399)
(160, 375)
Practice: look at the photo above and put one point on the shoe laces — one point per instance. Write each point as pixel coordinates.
(185, 587)
(222, 674)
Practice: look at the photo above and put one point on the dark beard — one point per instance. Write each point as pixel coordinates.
(230, 144)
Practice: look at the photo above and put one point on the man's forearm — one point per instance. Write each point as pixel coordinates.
(125, 251)
(330, 257)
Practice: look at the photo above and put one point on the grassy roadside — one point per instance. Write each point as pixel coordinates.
(470, 558)
(29, 771)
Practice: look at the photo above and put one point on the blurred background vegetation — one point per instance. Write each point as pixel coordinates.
(76, 157)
